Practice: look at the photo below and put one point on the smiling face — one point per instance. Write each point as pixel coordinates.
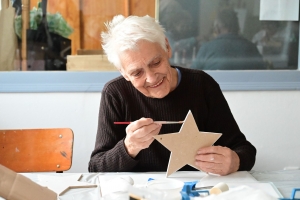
(148, 69)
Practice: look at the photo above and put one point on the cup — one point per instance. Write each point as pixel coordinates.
(170, 187)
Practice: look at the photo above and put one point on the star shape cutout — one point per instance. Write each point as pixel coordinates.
(60, 184)
(185, 144)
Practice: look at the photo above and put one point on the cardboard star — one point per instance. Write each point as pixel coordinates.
(185, 144)
(61, 184)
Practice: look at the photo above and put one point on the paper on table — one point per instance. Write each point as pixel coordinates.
(141, 180)
(267, 187)
(242, 192)
(232, 180)
(72, 194)
(241, 176)
(61, 184)
(237, 179)
(279, 10)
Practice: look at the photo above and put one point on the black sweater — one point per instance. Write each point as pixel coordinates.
(197, 92)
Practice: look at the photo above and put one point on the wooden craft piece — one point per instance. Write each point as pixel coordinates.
(185, 144)
(15, 186)
(61, 184)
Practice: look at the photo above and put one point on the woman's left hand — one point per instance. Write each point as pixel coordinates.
(217, 160)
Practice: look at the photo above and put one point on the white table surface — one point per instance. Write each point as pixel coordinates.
(284, 181)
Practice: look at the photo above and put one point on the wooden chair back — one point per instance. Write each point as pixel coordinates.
(37, 150)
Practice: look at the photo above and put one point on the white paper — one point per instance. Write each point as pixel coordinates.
(241, 176)
(243, 192)
(233, 180)
(140, 180)
(60, 184)
(279, 10)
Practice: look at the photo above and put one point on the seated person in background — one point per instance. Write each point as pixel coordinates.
(151, 89)
(270, 38)
(228, 51)
(279, 46)
(178, 26)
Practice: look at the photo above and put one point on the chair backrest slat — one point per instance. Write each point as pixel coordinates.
(36, 150)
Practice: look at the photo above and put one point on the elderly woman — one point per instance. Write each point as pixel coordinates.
(151, 90)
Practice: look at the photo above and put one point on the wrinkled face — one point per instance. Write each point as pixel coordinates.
(148, 69)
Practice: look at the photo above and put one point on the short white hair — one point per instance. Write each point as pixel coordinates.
(124, 33)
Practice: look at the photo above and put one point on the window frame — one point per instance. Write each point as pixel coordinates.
(57, 81)
(71, 81)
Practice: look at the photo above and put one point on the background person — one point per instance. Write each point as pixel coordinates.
(279, 46)
(179, 24)
(228, 51)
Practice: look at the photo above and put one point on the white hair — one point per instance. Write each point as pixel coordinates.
(124, 33)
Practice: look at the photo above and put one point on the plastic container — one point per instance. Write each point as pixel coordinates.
(170, 187)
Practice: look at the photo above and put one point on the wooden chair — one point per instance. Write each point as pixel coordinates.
(36, 150)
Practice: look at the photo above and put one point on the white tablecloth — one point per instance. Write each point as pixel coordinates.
(284, 180)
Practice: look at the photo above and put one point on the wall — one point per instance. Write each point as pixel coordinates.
(270, 120)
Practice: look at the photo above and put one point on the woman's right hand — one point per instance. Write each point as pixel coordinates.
(140, 135)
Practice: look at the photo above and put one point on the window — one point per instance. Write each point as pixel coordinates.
(281, 75)
(228, 35)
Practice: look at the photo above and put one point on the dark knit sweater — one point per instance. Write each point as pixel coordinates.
(197, 92)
